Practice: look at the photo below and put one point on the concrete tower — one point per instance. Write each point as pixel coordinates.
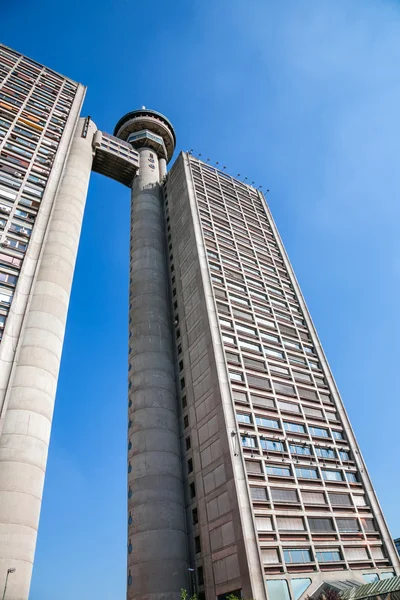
(157, 567)
(247, 473)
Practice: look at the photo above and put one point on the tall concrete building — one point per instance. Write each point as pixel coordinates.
(244, 474)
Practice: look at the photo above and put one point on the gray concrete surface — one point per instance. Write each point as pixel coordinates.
(157, 564)
(25, 438)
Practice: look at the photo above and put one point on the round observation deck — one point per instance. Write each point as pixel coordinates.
(152, 121)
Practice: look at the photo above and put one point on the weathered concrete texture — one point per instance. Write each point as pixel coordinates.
(25, 438)
(157, 567)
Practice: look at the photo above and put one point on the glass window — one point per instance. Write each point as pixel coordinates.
(258, 493)
(387, 575)
(313, 498)
(234, 376)
(325, 452)
(299, 586)
(318, 525)
(348, 525)
(352, 477)
(270, 445)
(284, 495)
(297, 556)
(304, 450)
(337, 435)
(344, 455)
(307, 473)
(264, 524)
(332, 475)
(243, 418)
(328, 555)
(280, 471)
(278, 589)
(290, 524)
(295, 427)
(318, 431)
(264, 422)
(370, 577)
(249, 442)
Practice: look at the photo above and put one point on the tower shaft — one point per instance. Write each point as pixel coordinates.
(157, 565)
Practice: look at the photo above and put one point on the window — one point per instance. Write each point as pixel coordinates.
(270, 445)
(297, 556)
(258, 493)
(277, 588)
(283, 495)
(320, 525)
(290, 524)
(188, 443)
(192, 490)
(243, 418)
(344, 455)
(337, 435)
(288, 406)
(239, 396)
(253, 466)
(264, 422)
(370, 577)
(186, 421)
(274, 353)
(299, 586)
(278, 471)
(352, 477)
(369, 525)
(195, 516)
(313, 497)
(248, 442)
(377, 552)
(270, 557)
(262, 401)
(326, 555)
(258, 382)
(200, 576)
(197, 544)
(294, 427)
(228, 339)
(348, 525)
(303, 450)
(332, 475)
(307, 473)
(325, 453)
(318, 431)
(249, 346)
(360, 500)
(235, 376)
(264, 524)
(281, 388)
(190, 465)
(339, 499)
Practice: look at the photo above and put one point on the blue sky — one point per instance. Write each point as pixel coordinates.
(301, 96)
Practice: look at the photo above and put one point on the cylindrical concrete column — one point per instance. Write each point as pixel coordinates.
(157, 567)
(26, 433)
(162, 163)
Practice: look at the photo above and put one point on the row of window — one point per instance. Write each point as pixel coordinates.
(302, 428)
(306, 555)
(328, 475)
(309, 498)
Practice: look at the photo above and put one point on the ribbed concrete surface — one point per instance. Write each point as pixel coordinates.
(25, 438)
(157, 563)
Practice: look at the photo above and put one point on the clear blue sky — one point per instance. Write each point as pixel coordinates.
(302, 96)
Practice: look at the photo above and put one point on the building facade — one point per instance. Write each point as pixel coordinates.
(244, 475)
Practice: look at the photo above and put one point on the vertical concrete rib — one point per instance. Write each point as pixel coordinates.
(26, 433)
(157, 567)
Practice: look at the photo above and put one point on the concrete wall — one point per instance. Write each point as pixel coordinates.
(229, 550)
(157, 564)
(25, 438)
